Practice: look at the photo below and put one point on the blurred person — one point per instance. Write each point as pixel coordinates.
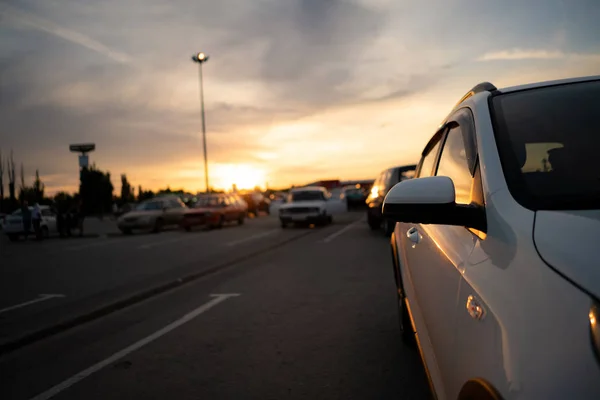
(36, 219)
(79, 216)
(26, 216)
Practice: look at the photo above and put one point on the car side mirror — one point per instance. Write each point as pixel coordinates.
(431, 200)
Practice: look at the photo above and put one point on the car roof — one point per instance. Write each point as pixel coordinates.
(549, 83)
(309, 189)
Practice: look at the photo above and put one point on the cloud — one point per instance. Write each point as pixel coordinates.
(72, 36)
(535, 54)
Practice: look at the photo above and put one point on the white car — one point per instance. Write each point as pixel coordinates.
(153, 215)
(306, 205)
(496, 251)
(13, 224)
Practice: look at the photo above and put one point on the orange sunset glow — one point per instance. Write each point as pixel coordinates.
(281, 107)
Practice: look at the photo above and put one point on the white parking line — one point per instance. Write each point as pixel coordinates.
(341, 231)
(253, 237)
(218, 298)
(39, 299)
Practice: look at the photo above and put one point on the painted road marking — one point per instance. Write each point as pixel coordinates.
(253, 237)
(342, 231)
(218, 298)
(39, 299)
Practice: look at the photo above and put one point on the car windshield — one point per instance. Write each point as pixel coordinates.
(549, 145)
(209, 201)
(151, 205)
(311, 195)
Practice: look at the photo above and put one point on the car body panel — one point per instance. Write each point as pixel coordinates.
(533, 340)
(200, 216)
(13, 223)
(308, 210)
(320, 204)
(573, 249)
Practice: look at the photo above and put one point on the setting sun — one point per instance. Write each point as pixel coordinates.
(243, 176)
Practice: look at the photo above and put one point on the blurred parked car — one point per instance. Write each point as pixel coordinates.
(355, 196)
(13, 224)
(153, 215)
(213, 211)
(306, 205)
(125, 208)
(496, 252)
(384, 182)
(256, 202)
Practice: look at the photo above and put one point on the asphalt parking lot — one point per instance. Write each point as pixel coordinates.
(251, 311)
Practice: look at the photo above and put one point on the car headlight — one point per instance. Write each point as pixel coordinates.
(594, 316)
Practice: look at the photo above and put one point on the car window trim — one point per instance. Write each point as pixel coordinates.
(437, 137)
(476, 170)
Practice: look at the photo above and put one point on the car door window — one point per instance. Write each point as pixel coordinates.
(428, 161)
(453, 164)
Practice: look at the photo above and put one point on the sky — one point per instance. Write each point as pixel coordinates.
(295, 90)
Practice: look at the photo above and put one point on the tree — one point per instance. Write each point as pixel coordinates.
(38, 187)
(10, 164)
(22, 177)
(63, 201)
(95, 190)
(144, 195)
(126, 192)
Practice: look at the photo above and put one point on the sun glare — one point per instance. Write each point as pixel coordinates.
(243, 176)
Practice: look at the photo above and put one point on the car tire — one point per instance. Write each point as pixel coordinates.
(187, 228)
(241, 220)
(125, 231)
(406, 329)
(329, 220)
(373, 223)
(12, 237)
(388, 226)
(283, 224)
(45, 232)
(158, 225)
(221, 222)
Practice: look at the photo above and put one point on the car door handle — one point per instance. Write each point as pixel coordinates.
(413, 235)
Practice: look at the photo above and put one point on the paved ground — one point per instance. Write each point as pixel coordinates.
(298, 313)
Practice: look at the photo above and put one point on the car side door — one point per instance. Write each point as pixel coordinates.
(436, 254)
(49, 220)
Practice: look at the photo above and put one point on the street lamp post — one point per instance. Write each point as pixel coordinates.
(201, 58)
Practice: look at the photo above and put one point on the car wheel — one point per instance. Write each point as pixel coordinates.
(373, 223)
(388, 226)
(221, 222)
(45, 232)
(158, 225)
(330, 219)
(187, 228)
(125, 231)
(406, 328)
(283, 224)
(12, 237)
(241, 220)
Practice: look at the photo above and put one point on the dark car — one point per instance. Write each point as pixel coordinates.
(256, 202)
(355, 196)
(384, 182)
(213, 211)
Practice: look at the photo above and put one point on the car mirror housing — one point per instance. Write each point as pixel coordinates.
(431, 200)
